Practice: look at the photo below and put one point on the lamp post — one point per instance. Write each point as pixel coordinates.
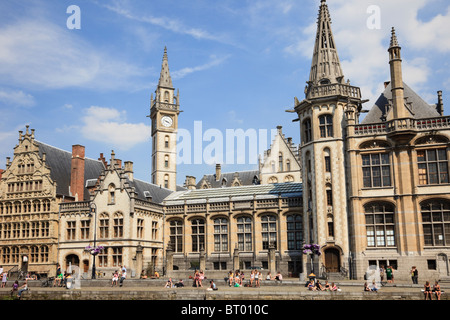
(93, 212)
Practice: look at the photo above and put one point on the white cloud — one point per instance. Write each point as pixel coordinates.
(43, 55)
(178, 74)
(171, 24)
(108, 125)
(16, 98)
(363, 51)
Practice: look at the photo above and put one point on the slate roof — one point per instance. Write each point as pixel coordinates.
(59, 162)
(245, 177)
(287, 190)
(419, 108)
(157, 193)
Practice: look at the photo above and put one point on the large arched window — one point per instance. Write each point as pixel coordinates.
(220, 234)
(436, 222)
(295, 231)
(198, 234)
(380, 228)
(326, 126)
(176, 235)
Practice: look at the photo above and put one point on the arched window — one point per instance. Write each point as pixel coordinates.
(176, 235)
(307, 131)
(166, 96)
(288, 165)
(166, 161)
(436, 222)
(220, 234)
(198, 234)
(166, 141)
(326, 126)
(269, 231)
(244, 233)
(166, 181)
(111, 194)
(294, 231)
(380, 228)
(273, 180)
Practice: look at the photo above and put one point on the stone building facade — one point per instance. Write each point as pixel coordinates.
(233, 228)
(123, 215)
(385, 178)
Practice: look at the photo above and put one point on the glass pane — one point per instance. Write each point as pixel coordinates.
(421, 156)
(431, 155)
(375, 159)
(442, 154)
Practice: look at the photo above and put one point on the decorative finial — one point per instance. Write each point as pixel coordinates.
(394, 42)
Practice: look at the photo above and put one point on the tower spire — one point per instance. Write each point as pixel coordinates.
(399, 109)
(164, 79)
(325, 67)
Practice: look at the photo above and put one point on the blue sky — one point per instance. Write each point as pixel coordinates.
(237, 64)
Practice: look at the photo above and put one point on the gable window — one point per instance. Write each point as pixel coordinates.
(433, 166)
(376, 170)
(326, 126)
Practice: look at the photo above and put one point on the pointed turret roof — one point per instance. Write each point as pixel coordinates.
(325, 63)
(164, 79)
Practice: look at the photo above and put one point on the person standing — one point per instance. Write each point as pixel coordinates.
(389, 275)
(4, 279)
(414, 275)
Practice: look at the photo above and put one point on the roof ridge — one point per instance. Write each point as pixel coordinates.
(49, 145)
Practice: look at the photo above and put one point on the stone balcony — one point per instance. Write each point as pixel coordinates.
(336, 89)
(398, 127)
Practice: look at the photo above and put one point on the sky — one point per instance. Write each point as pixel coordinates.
(85, 75)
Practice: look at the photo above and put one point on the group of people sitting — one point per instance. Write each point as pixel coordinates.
(315, 285)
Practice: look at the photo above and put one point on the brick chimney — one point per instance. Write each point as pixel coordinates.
(129, 170)
(77, 172)
(218, 172)
(1, 172)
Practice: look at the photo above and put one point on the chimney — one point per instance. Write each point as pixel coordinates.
(1, 172)
(77, 173)
(440, 104)
(218, 172)
(102, 159)
(129, 170)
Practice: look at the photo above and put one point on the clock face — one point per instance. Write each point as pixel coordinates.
(166, 121)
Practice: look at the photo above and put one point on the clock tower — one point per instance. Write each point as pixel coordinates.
(164, 111)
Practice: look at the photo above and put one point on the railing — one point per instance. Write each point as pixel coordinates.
(334, 89)
(398, 125)
(71, 206)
